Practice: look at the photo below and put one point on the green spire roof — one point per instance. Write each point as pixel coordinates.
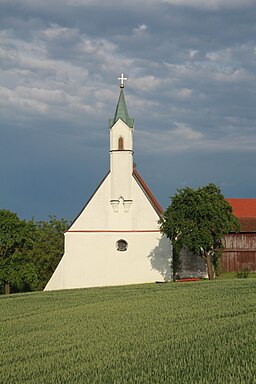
(121, 112)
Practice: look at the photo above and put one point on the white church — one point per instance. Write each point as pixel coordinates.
(116, 240)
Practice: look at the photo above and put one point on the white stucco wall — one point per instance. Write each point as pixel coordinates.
(121, 174)
(121, 129)
(99, 215)
(91, 258)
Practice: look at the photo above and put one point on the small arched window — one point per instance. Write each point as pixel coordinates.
(121, 245)
(120, 143)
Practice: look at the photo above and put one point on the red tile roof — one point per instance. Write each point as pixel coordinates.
(245, 210)
(243, 207)
(148, 193)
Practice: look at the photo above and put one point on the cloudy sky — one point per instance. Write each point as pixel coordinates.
(191, 68)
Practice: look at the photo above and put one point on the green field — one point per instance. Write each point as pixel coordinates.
(202, 332)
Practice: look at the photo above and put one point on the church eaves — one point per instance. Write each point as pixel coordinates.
(153, 201)
(121, 112)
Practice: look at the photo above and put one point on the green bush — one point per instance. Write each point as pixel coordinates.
(243, 274)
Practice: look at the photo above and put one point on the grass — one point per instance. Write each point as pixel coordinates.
(202, 332)
(233, 275)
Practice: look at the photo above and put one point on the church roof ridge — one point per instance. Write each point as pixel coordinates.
(121, 112)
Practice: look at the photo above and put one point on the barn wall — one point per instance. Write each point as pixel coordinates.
(239, 252)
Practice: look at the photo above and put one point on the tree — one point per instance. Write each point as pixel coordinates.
(198, 219)
(29, 251)
(17, 271)
(49, 247)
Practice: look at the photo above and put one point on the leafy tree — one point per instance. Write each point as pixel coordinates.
(49, 247)
(18, 274)
(29, 251)
(176, 260)
(198, 219)
(17, 237)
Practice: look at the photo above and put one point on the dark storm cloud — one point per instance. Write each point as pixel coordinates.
(191, 70)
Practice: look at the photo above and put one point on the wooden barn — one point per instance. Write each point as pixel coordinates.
(240, 248)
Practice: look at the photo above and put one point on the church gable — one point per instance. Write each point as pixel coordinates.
(98, 213)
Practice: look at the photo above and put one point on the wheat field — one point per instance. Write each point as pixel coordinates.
(199, 332)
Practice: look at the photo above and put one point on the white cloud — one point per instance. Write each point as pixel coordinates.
(31, 82)
(184, 93)
(212, 4)
(141, 29)
(145, 83)
(184, 138)
(193, 52)
(13, 103)
(223, 65)
(114, 3)
(185, 132)
(49, 5)
(55, 32)
(181, 138)
(235, 76)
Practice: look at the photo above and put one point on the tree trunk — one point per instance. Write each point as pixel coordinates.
(210, 270)
(7, 288)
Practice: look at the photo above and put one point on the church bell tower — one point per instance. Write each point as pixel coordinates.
(121, 155)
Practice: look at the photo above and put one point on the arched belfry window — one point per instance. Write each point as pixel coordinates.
(120, 143)
(121, 245)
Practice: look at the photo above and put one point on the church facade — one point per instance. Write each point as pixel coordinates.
(116, 240)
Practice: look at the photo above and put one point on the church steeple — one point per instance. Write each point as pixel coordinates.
(121, 108)
(121, 155)
(121, 112)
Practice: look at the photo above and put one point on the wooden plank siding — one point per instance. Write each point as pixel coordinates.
(240, 248)
(239, 252)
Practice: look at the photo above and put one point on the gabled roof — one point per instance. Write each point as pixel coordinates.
(142, 184)
(121, 112)
(157, 207)
(243, 207)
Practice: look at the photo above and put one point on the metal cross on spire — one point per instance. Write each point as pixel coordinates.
(122, 78)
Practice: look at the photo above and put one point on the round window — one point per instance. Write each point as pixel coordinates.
(121, 245)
